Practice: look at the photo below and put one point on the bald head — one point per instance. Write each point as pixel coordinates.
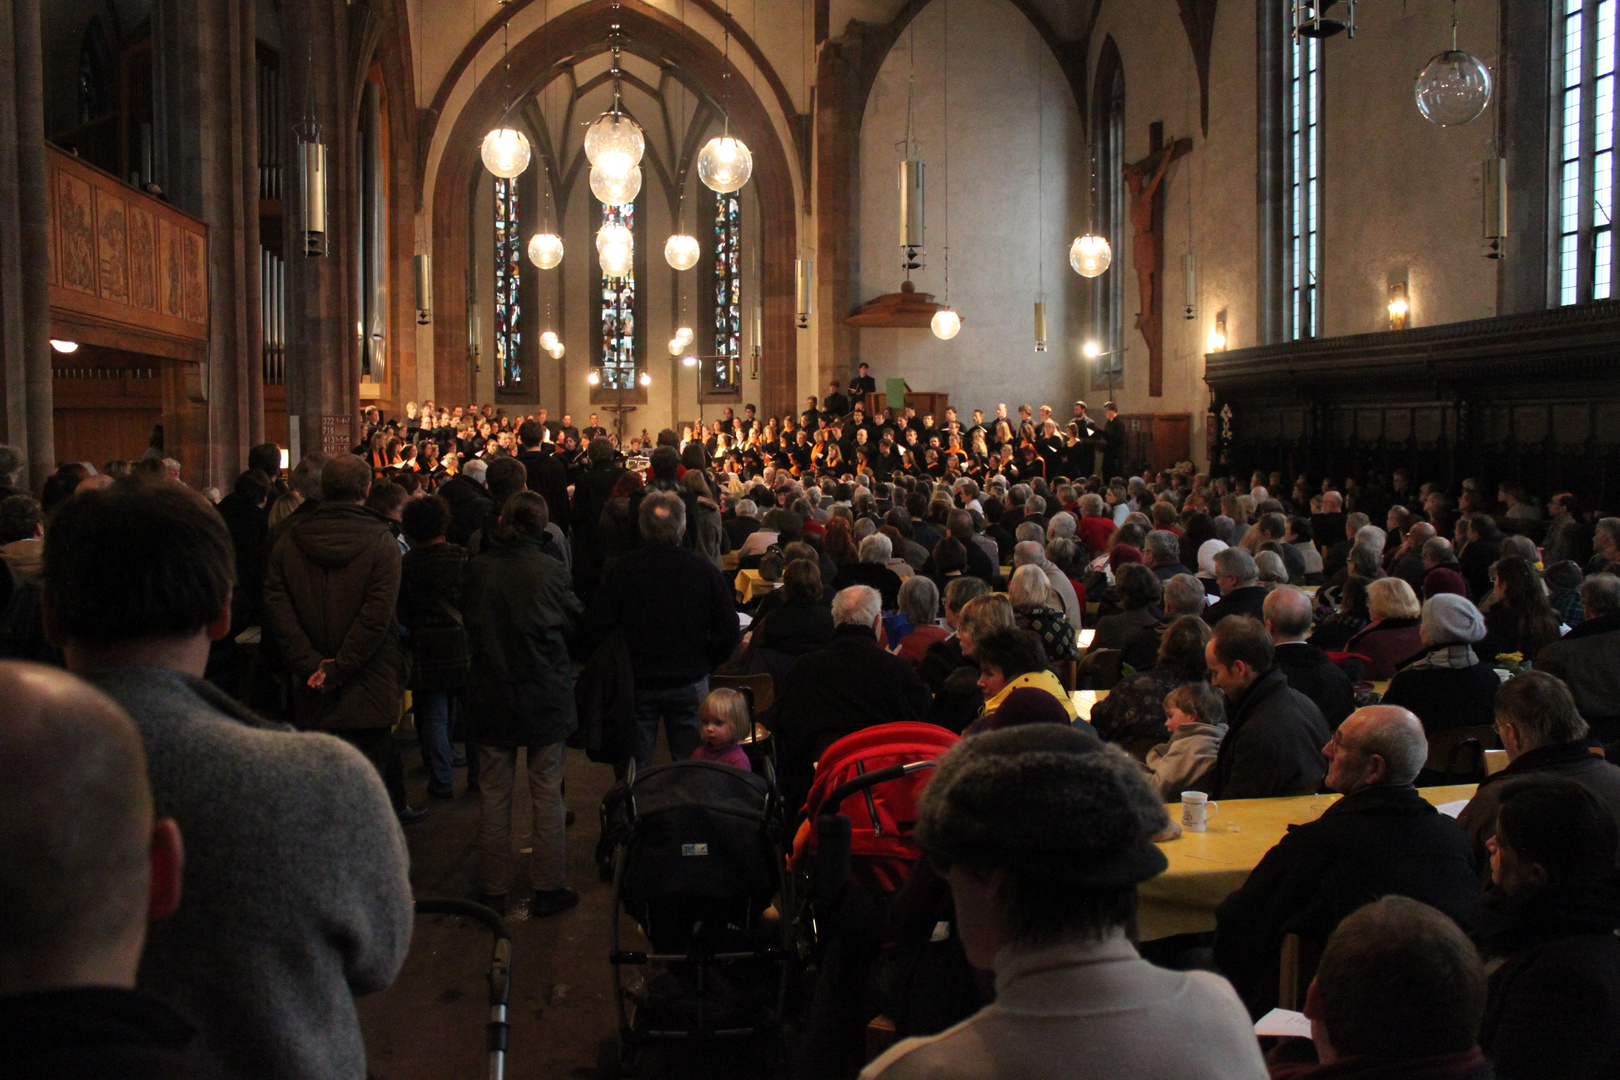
(1288, 614)
(79, 867)
(1420, 534)
(1376, 745)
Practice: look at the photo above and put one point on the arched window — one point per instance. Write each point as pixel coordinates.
(1302, 109)
(727, 292)
(1108, 161)
(508, 277)
(619, 312)
(1584, 73)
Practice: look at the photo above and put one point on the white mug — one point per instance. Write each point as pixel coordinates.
(1196, 810)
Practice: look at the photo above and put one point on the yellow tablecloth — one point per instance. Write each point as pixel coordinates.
(750, 586)
(1206, 868)
(1381, 687)
(1085, 699)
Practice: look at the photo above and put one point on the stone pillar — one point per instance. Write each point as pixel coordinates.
(205, 87)
(25, 313)
(840, 108)
(323, 357)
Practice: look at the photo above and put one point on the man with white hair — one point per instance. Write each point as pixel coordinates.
(873, 570)
(470, 502)
(1307, 668)
(1162, 553)
(743, 523)
(846, 685)
(1382, 838)
(1032, 553)
(1237, 577)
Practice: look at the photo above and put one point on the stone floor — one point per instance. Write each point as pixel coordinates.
(430, 1025)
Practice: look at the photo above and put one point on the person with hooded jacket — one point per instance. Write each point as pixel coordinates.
(331, 596)
(521, 611)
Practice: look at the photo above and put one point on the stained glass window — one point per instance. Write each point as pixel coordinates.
(508, 253)
(727, 291)
(1303, 161)
(1584, 44)
(619, 313)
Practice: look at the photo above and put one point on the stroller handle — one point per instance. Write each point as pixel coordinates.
(477, 912)
(836, 797)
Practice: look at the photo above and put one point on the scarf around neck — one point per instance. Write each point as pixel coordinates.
(1455, 657)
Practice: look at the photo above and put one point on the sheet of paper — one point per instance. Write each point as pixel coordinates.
(745, 620)
(1283, 1022)
(1452, 809)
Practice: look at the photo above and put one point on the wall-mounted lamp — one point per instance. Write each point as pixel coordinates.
(1217, 333)
(1092, 350)
(594, 378)
(1040, 326)
(804, 276)
(645, 380)
(64, 346)
(1493, 181)
(1399, 306)
(1189, 281)
(422, 265)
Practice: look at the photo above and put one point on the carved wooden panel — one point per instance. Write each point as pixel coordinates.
(120, 258)
(1572, 424)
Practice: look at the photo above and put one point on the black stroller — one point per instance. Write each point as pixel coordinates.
(698, 861)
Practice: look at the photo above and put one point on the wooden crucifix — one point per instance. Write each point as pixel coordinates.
(1145, 182)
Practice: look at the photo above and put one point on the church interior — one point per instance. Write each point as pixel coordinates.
(1331, 248)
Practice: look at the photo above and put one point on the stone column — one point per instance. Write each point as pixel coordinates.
(25, 313)
(323, 358)
(205, 88)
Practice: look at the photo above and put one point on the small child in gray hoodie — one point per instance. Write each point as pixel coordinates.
(1196, 717)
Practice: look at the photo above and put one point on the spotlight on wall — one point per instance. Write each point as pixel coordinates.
(64, 346)
(594, 378)
(1217, 333)
(1399, 306)
(1092, 350)
(645, 380)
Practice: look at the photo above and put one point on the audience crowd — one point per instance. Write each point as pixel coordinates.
(202, 800)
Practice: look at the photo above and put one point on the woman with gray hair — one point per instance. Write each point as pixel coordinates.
(1044, 837)
(919, 603)
(1037, 609)
(875, 551)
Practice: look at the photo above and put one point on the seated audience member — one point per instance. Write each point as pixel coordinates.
(919, 603)
(1398, 995)
(743, 523)
(1270, 571)
(1033, 553)
(1183, 595)
(1395, 634)
(724, 722)
(1588, 657)
(1381, 838)
(1520, 620)
(1044, 838)
(521, 612)
(1275, 734)
(1040, 612)
(288, 834)
(1134, 708)
(1564, 592)
(847, 685)
(1140, 595)
(1206, 564)
(1161, 553)
(1474, 560)
(1195, 714)
(1543, 734)
(85, 862)
(951, 669)
(1348, 618)
(1307, 668)
(1449, 686)
(1010, 660)
(1302, 538)
(801, 622)
(1547, 930)
(1405, 560)
(873, 570)
(1241, 594)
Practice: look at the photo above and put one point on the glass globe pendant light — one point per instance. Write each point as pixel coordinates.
(556, 350)
(545, 250)
(615, 249)
(681, 251)
(685, 335)
(724, 165)
(614, 141)
(1454, 88)
(945, 324)
(1090, 255)
(548, 339)
(505, 150)
(616, 189)
(675, 346)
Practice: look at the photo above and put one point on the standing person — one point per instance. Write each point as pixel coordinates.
(332, 597)
(1113, 442)
(591, 494)
(520, 612)
(546, 472)
(296, 898)
(430, 611)
(862, 384)
(676, 612)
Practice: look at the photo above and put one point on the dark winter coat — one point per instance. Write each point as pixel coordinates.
(430, 611)
(1571, 760)
(520, 610)
(1273, 743)
(332, 593)
(1376, 842)
(1309, 671)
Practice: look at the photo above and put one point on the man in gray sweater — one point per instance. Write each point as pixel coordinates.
(295, 896)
